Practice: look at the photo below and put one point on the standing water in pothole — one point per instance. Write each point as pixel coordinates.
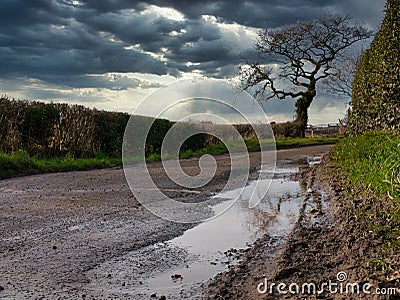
(211, 246)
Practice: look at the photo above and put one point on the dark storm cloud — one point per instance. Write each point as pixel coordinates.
(254, 13)
(111, 82)
(111, 6)
(65, 41)
(39, 62)
(131, 27)
(68, 47)
(23, 13)
(92, 43)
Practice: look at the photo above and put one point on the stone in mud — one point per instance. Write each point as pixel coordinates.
(176, 277)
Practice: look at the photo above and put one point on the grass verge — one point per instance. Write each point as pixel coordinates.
(371, 162)
(253, 145)
(20, 163)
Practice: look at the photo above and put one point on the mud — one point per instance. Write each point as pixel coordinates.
(61, 233)
(327, 245)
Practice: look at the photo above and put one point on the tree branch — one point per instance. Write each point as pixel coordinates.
(304, 52)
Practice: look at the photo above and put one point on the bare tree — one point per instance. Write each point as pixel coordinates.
(291, 60)
(340, 83)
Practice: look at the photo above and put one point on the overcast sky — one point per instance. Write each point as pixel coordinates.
(110, 54)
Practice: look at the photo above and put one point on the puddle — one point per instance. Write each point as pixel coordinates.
(209, 243)
(314, 160)
(278, 172)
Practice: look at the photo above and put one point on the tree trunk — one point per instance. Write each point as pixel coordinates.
(302, 105)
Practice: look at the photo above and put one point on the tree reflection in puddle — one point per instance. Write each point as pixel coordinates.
(236, 228)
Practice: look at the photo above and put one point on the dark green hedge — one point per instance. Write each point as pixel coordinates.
(376, 86)
(56, 130)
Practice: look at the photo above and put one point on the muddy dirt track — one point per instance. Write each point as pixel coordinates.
(328, 248)
(58, 231)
